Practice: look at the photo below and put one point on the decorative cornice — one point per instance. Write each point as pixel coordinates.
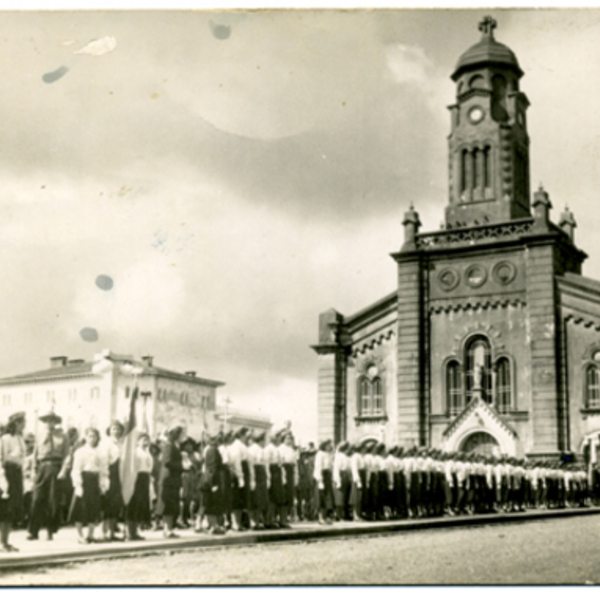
(372, 342)
(474, 303)
(587, 321)
(467, 236)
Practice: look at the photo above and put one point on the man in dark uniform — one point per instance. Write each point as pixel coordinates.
(50, 454)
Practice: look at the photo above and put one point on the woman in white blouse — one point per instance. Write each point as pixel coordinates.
(324, 480)
(90, 480)
(12, 459)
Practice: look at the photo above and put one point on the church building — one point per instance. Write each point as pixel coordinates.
(491, 340)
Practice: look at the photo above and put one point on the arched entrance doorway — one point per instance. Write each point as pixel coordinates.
(481, 443)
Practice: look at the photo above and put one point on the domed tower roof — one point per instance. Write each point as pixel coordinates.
(487, 51)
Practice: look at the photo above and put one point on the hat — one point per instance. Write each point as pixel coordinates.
(115, 423)
(241, 432)
(51, 417)
(343, 446)
(259, 437)
(16, 417)
(186, 441)
(324, 445)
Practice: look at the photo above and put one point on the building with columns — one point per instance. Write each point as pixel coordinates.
(491, 340)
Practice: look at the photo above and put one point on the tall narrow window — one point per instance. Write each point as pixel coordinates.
(478, 170)
(473, 165)
(479, 371)
(463, 171)
(486, 167)
(453, 389)
(364, 396)
(503, 386)
(592, 387)
(377, 388)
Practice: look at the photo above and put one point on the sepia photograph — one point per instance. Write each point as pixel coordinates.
(300, 297)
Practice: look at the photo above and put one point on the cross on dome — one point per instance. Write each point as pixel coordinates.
(487, 26)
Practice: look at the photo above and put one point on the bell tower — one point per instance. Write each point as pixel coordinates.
(488, 143)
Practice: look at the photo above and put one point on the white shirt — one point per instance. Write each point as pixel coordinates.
(237, 453)
(12, 449)
(341, 462)
(143, 461)
(323, 462)
(112, 450)
(90, 460)
(357, 464)
(272, 455)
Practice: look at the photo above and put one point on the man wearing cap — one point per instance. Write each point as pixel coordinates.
(50, 454)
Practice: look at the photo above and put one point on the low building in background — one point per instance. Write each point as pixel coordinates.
(92, 393)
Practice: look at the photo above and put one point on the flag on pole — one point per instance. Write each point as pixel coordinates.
(127, 470)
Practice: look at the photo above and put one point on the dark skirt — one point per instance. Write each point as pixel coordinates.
(276, 490)
(357, 492)
(247, 490)
(224, 494)
(138, 508)
(288, 488)
(400, 493)
(214, 501)
(342, 494)
(189, 485)
(260, 495)
(113, 499)
(385, 494)
(238, 494)
(11, 508)
(87, 509)
(326, 500)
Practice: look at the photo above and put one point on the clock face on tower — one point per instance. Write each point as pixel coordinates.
(476, 114)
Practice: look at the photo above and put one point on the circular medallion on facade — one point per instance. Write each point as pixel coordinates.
(372, 371)
(596, 356)
(504, 272)
(476, 275)
(448, 279)
(476, 115)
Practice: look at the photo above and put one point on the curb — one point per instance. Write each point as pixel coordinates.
(287, 535)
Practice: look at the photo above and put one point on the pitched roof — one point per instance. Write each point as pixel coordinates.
(82, 369)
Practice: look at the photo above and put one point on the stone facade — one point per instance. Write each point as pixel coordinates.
(491, 340)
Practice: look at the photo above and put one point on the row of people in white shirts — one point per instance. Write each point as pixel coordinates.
(254, 454)
(460, 469)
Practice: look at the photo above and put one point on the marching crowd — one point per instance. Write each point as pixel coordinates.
(243, 480)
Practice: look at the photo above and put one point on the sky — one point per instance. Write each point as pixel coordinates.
(237, 173)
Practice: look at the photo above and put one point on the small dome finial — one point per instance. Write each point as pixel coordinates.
(487, 26)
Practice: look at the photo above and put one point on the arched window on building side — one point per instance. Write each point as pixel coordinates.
(478, 368)
(503, 386)
(592, 387)
(365, 403)
(454, 395)
(377, 387)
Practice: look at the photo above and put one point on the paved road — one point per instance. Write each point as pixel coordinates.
(540, 552)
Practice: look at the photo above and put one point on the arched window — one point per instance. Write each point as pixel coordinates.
(487, 173)
(453, 389)
(377, 387)
(364, 397)
(503, 386)
(371, 397)
(478, 368)
(592, 387)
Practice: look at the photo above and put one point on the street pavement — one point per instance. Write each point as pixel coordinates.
(545, 551)
(65, 549)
